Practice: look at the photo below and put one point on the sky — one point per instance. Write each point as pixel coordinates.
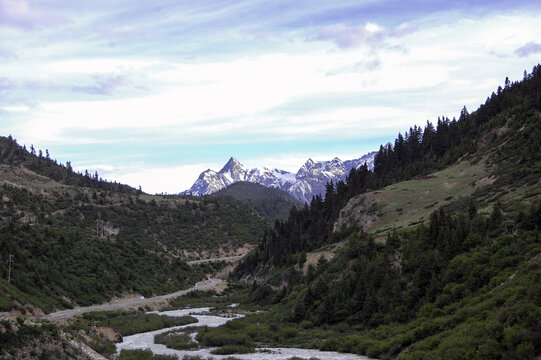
(152, 93)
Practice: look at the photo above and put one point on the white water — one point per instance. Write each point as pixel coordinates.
(146, 341)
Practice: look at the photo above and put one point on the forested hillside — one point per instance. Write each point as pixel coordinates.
(77, 239)
(462, 283)
(509, 121)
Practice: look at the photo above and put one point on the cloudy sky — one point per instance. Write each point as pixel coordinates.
(151, 93)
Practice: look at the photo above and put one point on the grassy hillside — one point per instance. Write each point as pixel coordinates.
(78, 240)
(411, 202)
(270, 203)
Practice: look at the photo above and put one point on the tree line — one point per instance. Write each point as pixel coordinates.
(11, 153)
(417, 153)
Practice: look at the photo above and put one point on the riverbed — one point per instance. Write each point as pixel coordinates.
(146, 341)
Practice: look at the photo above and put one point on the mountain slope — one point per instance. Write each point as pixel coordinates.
(458, 280)
(270, 203)
(309, 181)
(411, 202)
(81, 240)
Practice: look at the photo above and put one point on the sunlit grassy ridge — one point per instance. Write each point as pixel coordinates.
(411, 202)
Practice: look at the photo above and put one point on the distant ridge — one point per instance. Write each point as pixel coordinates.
(308, 182)
(271, 203)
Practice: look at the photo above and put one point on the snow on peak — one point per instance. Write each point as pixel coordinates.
(308, 182)
(309, 164)
(231, 164)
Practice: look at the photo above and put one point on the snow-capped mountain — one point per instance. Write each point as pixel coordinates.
(309, 181)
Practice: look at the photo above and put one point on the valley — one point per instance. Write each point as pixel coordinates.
(435, 253)
(132, 303)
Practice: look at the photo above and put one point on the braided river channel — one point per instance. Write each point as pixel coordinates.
(146, 341)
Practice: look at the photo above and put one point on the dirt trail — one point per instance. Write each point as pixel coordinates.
(131, 303)
(225, 258)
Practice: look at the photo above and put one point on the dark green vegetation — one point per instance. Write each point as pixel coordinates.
(143, 355)
(459, 280)
(130, 322)
(428, 289)
(229, 338)
(79, 240)
(270, 203)
(16, 341)
(176, 340)
(147, 355)
(52, 263)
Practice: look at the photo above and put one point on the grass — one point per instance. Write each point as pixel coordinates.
(411, 202)
(34, 182)
(233, 349)
(28, 179)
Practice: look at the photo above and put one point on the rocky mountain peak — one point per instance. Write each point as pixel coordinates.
(206, 174)
(309, 181)
(306, 167)
(308, 164)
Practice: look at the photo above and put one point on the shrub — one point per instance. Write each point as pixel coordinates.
(175, 340)
(331, 344)
(143, 355)
(288, 333)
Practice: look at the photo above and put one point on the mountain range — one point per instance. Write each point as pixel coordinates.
(309, 181)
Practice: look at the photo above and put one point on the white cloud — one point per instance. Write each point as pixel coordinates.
(404, 29)
(195, 95)
(92, 66)
(351, 36)
(170, 179)
(16, 108)
(402, 75)
(23, 15)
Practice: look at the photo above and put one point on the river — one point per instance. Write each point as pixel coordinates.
(146, 341)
